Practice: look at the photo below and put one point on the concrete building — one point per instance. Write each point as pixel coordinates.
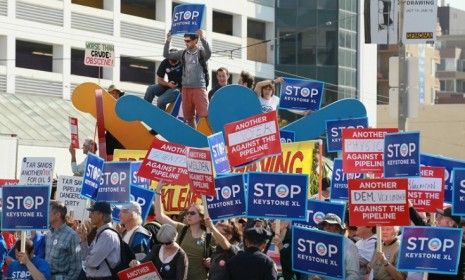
(42, 52)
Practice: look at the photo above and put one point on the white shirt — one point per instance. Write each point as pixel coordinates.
(128, 235)
(270, 104)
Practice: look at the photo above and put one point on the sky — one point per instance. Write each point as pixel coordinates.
(459, 4)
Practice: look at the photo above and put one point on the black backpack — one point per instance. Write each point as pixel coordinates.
(202, 63)
(126, 255)
(153, 227)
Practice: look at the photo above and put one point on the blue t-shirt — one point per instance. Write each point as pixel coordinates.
(17, 271)
(3, 251)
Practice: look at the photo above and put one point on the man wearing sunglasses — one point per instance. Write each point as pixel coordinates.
(194, 74)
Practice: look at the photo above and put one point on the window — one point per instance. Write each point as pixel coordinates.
(137, 70)
(256, 29)
(287, 47)
(89, 3)
(34, 56)
(306, 44)
(222, 23)
(79, 68)
(139, 8)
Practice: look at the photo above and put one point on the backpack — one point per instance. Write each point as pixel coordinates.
(207, 251)
(153, 227)
(202, 63)
(126, 255)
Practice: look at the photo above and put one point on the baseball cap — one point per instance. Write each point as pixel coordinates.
(256, 235)
(332, 219)
(133, 207)
(100, 206)
(448, 213)
(112, 88)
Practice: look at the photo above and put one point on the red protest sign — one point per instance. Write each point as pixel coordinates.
(7, 182)
(165, 162)
(378, 202)
(73, 124)
(253, 138)
(362, 149)
(426, 193)
(144, 271)
(199, 168)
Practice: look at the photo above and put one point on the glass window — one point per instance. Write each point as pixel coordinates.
(256, 29)
(33, 55)
(139, 8)
(137, 70)
(306, 48)
(89, 3)
(327, 4)
(79, 68)
(222, 23)
(287, 48)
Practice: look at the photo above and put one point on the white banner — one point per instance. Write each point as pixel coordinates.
(420, 18)
(99, 54)
(381, 21)
(69, 192)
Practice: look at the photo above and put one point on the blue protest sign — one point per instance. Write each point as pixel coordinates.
(339, 180)
(144, 197)
(430, 249)
(316, 252)
(187, 18)
(458, 199)
(114, 184)
(275, 195)
(92, 174)
(287, 136)
(229, 200)
(317, 210)
(334, 131)
(115, 213)
(136, 180)
(402, 154)
(297, 94)
(25, 207)
(218, 152)
(448, 164)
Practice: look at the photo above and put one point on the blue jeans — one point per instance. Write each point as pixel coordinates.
(165, 95)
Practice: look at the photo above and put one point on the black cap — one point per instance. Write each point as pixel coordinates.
(448, 213)
(101, 206)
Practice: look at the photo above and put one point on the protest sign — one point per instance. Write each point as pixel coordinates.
(317, 210)
(143, 271)
(229, 199)
(430, 249)
(275, 195)
(37, 171)
(253, 138)
(69, 193)
(334, 131)
(200, 170)
(378, 202)
(362, 149)
(175, 198)
(73, 127)
(165, 162)
(218, 152)
(287, 136)
(25, 208)
(402, 154)
(144, 197)
(137, 180)
(458, 199)
(99, 54)
(298, 94)
(448, 164)
(92, 174)
(339, 181)
(7, 182)
(114, 182)
(316, 252)
(187, 18)
(426, 193)
(420, 22)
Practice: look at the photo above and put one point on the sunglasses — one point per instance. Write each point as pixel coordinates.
(191, 213)
(187, 41)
